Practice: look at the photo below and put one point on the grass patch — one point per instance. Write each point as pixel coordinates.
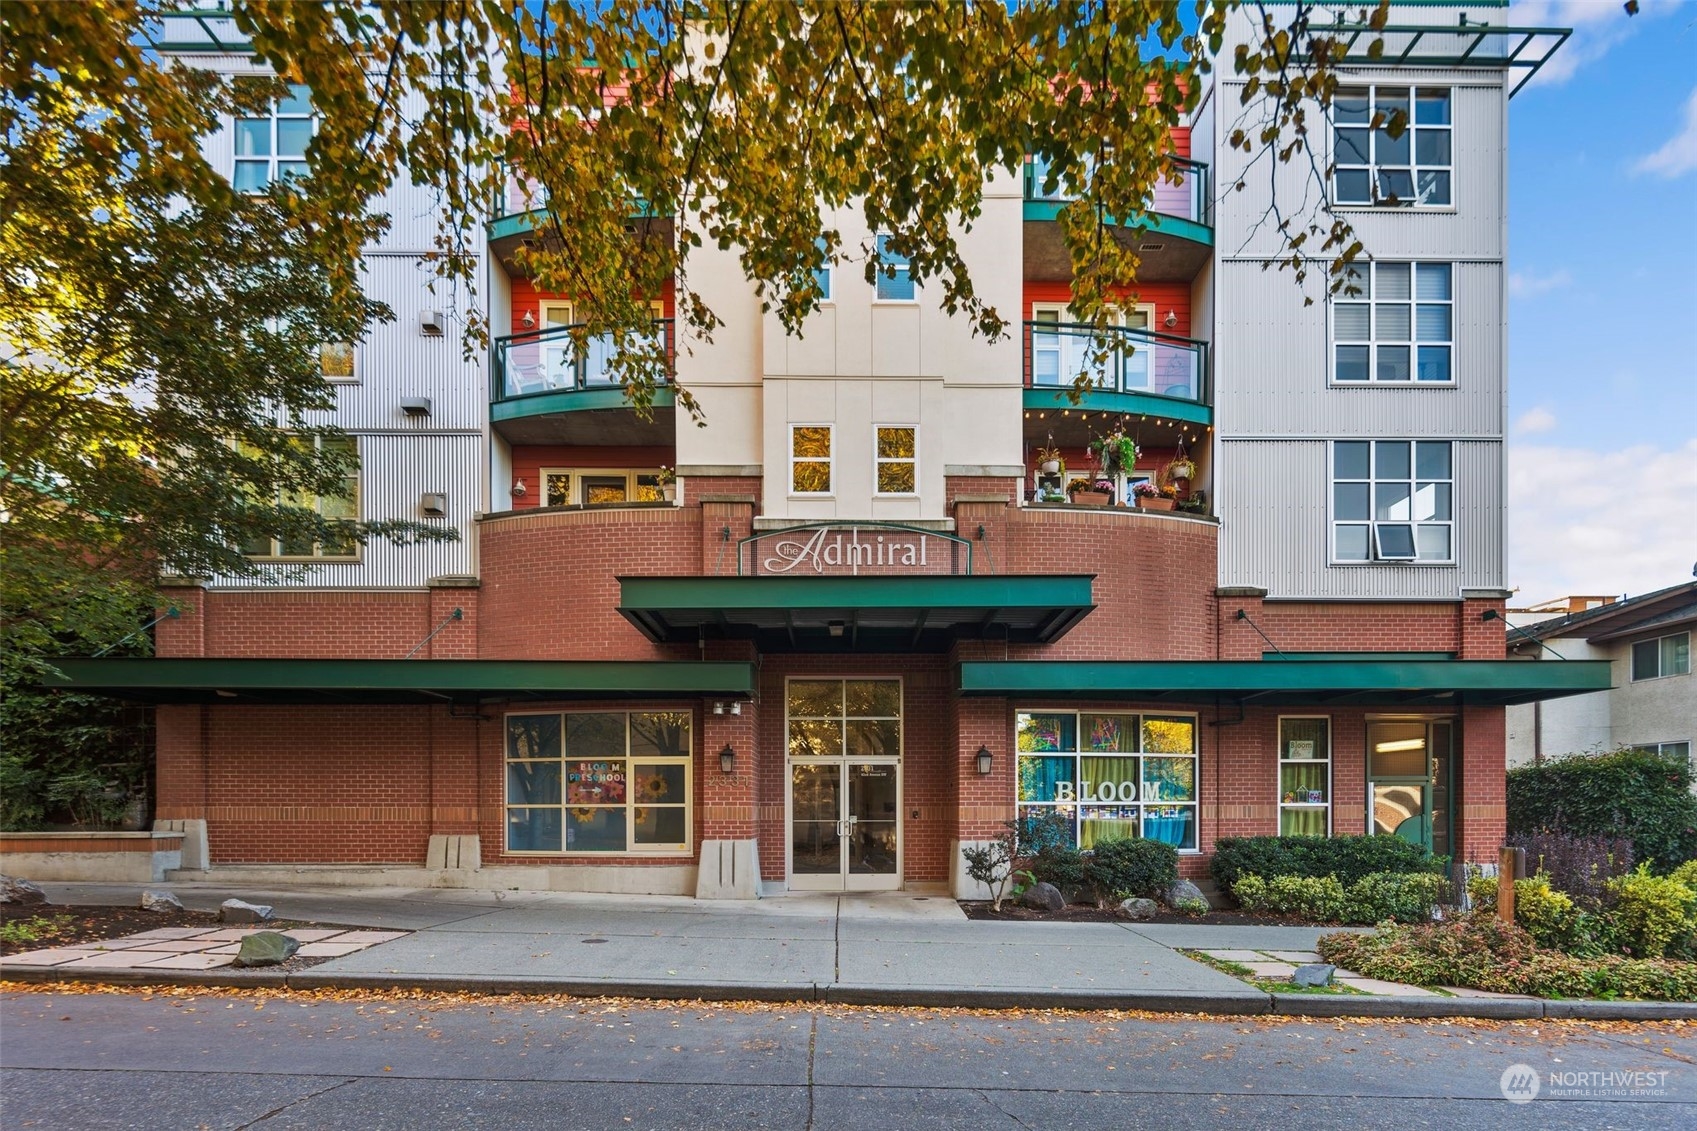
(1268, 985)
(22, 932)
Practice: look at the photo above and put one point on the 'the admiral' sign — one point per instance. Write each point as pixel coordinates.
(853, 550)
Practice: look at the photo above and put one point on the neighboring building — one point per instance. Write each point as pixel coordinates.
(864, 633)
(1652, 703)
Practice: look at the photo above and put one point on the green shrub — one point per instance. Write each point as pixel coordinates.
(1406, 897)
(1655, 914)
(1061, 865)
(1636, 794)
(1686, 874)
(1191, 905)
(1545, 913)
(1131, 868)
(1318, 899)
(1349, 858)
(1036, 830)
(1478, 952)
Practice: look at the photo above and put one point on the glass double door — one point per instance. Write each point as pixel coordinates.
(845, 827)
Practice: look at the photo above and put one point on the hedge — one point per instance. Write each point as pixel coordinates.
(1349, 858)
(1635, 794)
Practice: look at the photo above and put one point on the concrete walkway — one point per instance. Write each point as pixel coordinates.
(898, 948)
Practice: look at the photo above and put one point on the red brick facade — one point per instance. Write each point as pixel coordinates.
(371, 785)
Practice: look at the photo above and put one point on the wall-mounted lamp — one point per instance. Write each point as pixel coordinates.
(1170, 320)
(727, 760)
(835, 628)
(518, 489)
(529, 320)
(985, 759)
(734, 707)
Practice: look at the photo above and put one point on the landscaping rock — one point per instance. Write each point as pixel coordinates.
(266, 948)
(14, 890)
(1044, 897)
(1140, 909)
(1181, 891)
(160, 901)
(1313, 974)
(236, 911)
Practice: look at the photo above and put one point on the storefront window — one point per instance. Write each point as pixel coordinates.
(1305, 777)
(1111, 775)
(598, 781)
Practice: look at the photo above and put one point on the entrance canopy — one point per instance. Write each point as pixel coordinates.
(329, 682)
(1307, 683)
(925, 613)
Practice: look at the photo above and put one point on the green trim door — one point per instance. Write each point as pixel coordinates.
(1408, 780)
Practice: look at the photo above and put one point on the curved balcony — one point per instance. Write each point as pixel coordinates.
(557, 386)
(1174, 238)
(519, 216)
(1139, 372)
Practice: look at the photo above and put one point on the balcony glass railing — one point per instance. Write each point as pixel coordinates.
(1136, 361)
(1188, 199)
(555, 361)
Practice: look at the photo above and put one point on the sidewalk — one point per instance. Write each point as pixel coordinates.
(888, 949)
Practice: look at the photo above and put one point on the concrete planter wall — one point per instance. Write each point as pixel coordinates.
(99, 857)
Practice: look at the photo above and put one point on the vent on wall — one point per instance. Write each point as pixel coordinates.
(416, 406)
(432, 323)
(433, 504)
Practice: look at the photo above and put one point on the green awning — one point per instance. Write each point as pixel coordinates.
(925, 613)
(1307, 683)
(399, 681)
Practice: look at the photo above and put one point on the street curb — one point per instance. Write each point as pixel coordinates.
(1361, 1005)
(1229, 1003)
(1212, 1002)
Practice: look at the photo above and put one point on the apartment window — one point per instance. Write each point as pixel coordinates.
(896, 461)
(1305, 777)
(894, 276)
(822, 277)
(810, 459)
(1392, 501)
(598, 781)
(1372, 167)
(341, 506)
(1397, 326)
(1110, 775)
(1672, 751)
(336, 361)
(1666, 655)
(273, 147)
(600, 486)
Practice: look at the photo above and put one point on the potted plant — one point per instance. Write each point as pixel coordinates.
(1088, 493)
(1116, 454)
(1182, 467)
(668, 481)
(1150, 497)
(1049, 461)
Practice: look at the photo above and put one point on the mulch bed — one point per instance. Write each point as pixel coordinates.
(1012, 912)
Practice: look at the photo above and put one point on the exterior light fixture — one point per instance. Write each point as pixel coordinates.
(529, 320)
(736, 706)
(718, 708)
(727, 760)
(835, 628)
(1171, 319)
(985, 758)
(518, 489)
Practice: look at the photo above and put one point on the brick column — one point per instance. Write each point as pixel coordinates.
(986, 513)
(458, 639)
(185, 633)
(1481, 788)
(1478, 638)
(1237, 640)
(730, 864)
(726, 519)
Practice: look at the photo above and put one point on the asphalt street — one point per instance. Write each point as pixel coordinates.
(166, 1059)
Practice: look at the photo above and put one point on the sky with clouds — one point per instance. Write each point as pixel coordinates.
(1602, 448)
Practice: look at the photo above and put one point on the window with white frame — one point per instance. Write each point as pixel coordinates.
(894, 277)
(1413, 168)
(336, 361)
(1110, 775)
(1305, 776)
(1663, 656)
(1394, 322)
(340, 506)
(810, 459)
(598, 782)
(600, 486)
(1392, 501)
(897, 460)
(273, 147)
(1672, 751)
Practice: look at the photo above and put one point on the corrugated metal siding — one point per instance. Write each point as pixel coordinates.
(1273, 501)
(398, 361)
(394, 471)
(1271, 358)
